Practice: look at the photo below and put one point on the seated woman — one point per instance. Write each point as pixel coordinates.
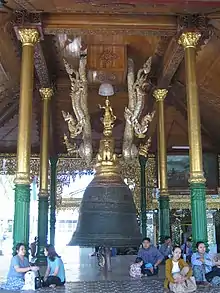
(201, 264)
(18, 267)
(55, 273)
(213, 277)
(177, 272)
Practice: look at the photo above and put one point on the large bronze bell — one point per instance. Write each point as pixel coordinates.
(107, 215)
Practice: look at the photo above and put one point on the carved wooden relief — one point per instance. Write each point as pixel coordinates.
(109, 62)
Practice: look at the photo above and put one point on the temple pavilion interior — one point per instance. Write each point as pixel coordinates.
(153, 67)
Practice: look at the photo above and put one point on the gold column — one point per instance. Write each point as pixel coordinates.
(189, 41)
(29, 37)
(160, 95)
(164, 208)
(46, 94)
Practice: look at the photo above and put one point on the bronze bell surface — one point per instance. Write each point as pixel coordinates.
(107, 215)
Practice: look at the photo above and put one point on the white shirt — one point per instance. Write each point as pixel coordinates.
(176, 268)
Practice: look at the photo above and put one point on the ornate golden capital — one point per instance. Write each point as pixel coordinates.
(29, 36)
(189, 39)
(197, 177)
(46, 93)
(160, 94)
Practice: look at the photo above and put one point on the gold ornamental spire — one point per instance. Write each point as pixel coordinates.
(108, 119)
(106, 158)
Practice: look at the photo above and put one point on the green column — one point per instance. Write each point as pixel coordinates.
(189, 41)
(28, 38)
(53, 175)
(42, 227)
(198, 206)
(164, 217)
(143, 161)
(21, 215)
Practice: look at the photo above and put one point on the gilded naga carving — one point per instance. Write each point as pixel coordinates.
(74, 127)
(71, 148)
(136, 96)
(78, 94)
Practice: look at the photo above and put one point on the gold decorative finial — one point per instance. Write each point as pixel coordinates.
(46, 93)
(160, 94)
(189, 39)
(106, 157)
(29, 36)
(144, 148)
(108, 119)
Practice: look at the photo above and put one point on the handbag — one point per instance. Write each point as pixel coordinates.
(29, 281)
(188, 286)
(38, 281)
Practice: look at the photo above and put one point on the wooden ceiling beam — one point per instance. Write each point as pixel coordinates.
(41, 67)
(8, 112)
(45, 81)
(54, 23)
(171, 61)
(181, 105)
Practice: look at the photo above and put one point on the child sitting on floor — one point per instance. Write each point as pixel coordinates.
(135, 268)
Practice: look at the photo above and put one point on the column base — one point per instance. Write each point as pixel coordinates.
(42, 229)
(21, 216)
(164, 217)
(198, 208)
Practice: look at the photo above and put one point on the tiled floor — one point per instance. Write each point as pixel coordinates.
(84, 276)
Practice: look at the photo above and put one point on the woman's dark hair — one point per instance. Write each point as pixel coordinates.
(51, 252)
(138, 260)
(198, 243)
(17, 247)
(176, 246)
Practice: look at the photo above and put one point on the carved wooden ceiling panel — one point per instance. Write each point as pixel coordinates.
(167, 58)
(114, 6)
